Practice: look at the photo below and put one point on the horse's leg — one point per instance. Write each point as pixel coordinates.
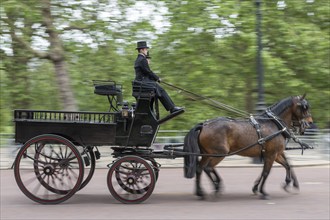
(256, 185)
(281, 159)
(295, 180)
(213, 174)
(200, 166)
(268, 163)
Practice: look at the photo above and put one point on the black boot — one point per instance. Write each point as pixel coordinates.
(175, 109)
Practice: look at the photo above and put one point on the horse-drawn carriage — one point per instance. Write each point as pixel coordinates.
(60, 148)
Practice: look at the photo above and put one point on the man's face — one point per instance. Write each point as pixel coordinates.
(145, 51)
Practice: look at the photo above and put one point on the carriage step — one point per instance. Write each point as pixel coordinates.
(97, 154)
(174, 114)
(86, 160)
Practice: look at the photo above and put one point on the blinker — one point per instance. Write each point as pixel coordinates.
(303, 104)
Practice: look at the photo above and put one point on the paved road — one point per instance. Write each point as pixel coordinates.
(173, 198)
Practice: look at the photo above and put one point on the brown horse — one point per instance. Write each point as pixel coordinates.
(264, 136)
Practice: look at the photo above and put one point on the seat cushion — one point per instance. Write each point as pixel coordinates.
(107, 90)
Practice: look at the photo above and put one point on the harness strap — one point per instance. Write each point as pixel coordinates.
(286, 132)
(256, 125)
(279, 124)
(174, 152)
(261, 141)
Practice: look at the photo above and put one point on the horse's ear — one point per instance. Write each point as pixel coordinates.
(303, 97)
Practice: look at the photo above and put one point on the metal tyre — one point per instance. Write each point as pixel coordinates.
(49, 169)
(131, 180)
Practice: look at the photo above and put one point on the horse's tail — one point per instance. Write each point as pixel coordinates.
(191, 146)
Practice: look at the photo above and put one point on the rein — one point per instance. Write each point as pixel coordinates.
(209, 101)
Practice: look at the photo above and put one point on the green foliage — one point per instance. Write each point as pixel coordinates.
(5, 110)
(209, 48)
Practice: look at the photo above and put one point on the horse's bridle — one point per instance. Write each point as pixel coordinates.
(303, 123)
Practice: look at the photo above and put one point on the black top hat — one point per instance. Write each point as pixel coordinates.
(141, 45)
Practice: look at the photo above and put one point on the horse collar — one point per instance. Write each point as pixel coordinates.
(279, 124)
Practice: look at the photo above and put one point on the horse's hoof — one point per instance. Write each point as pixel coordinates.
(201, 197)
(264, 197)
(200, 194)
(255, 190)
(219, 189)
(216, 192)
(215, 197)
(288, 189)
(295, 190)
(285, 187)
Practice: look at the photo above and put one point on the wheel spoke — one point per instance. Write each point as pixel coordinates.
(53, 151)
(131, 179)
(53, 167)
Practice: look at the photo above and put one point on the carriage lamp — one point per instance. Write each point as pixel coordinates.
(125, 110)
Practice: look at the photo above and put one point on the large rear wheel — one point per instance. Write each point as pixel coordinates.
(131, 179)
(49, 169)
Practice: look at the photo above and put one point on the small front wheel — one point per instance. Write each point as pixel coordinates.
(131, 179)
(49, 169)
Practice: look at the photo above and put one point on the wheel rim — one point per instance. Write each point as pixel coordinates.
(131, 180)
(49, 169)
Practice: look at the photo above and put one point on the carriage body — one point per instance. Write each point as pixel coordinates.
(129, 126)
(87, 128)
(59, 145)
(81, 128)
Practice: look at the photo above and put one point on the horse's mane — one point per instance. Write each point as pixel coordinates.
(280, 106)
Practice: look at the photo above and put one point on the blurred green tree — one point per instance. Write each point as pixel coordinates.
(208, 47)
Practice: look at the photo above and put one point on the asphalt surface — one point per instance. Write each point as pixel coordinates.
(173, 198)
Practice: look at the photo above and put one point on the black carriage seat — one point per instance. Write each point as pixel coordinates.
(143, 89)
(110, 89)
(146, 91)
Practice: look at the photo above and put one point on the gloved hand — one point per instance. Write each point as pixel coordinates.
(159, 80)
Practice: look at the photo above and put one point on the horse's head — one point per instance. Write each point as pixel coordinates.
(301, 116)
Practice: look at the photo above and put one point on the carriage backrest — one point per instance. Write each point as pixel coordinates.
(143, 89)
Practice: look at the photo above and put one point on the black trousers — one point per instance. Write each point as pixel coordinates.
(164, 98)
(161, 94)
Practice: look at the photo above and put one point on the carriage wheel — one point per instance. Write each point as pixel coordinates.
(49, 169)
(155, 167)
(91, 156)
(131, 179)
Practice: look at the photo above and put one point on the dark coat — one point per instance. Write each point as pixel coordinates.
(143, 71)
(144, 74)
